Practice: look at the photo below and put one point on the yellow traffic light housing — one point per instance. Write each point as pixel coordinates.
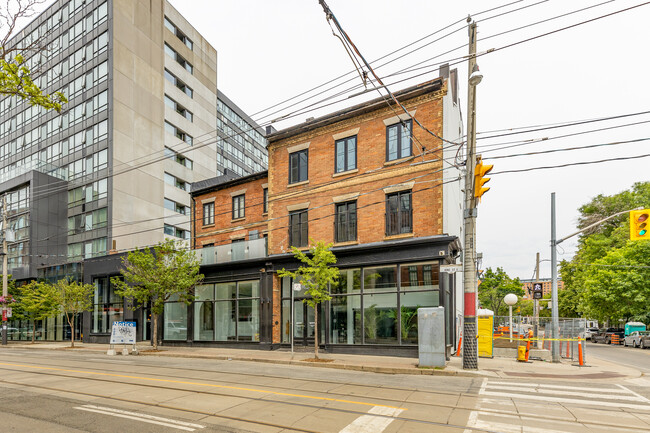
(639, 224)
(479, 180)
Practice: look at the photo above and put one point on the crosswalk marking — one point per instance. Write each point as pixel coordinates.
(373, 423)
(498, 392)
(181, 425)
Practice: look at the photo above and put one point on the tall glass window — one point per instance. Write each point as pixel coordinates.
(107, 306)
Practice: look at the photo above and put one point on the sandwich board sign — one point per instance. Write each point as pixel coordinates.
(122, 333)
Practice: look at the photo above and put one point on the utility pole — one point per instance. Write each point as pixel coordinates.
(4, 270)
(470, 346)
(536, 302)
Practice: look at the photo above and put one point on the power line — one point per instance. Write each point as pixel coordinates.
(623, 158)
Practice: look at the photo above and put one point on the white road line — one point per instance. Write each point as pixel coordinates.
(140, 417)
(573, 388)
(632, 392)
(566, 400)
(639, 381)
(373, 424)
(567, 393)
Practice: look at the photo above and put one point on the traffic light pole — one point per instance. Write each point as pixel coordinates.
(470, 331)
(5, 292)
(555, 346)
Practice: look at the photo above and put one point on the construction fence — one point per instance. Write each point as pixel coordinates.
(571, 332)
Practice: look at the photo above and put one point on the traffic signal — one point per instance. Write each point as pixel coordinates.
(639, 224)
(480, 171)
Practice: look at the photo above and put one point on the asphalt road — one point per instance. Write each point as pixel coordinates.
(66, 391)
(630, 356)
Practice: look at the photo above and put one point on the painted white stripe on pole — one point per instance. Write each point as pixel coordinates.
(565, 393)
(373, 424)
(570, 388)
(138, 417)
(566, 400)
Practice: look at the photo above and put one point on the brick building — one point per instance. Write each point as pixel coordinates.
(367, 179)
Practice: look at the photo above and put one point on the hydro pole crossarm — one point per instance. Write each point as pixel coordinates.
(595, 224)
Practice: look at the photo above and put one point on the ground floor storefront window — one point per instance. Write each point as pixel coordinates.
(227, 311)
(175, 320)
(108, 307)
(370, 305)
(51, 329)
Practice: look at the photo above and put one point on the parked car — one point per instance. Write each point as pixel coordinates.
(589, 332)
(604, 335)
(645, 340)
(634, 339)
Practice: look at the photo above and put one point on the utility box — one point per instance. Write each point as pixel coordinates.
(431, 337)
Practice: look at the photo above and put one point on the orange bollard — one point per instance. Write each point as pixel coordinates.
(580, 359)
(460, 341)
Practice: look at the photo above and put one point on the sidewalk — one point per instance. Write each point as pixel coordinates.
(596, 369)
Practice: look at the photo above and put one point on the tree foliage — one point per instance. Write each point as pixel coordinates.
(317, 275)
(607, 279)
(495, 285)
(37, 300)
(169, 271)
(16, 78)
(73, 298)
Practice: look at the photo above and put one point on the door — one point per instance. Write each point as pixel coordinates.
(304, 324)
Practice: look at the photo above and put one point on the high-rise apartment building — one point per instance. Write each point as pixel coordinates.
(114, 169)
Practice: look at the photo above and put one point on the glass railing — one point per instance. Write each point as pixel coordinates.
(253, 249)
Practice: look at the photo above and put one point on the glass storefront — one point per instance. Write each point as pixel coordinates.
(372, 305)
(175, 321)
(107, 306)
(51, 329)
(227, 311)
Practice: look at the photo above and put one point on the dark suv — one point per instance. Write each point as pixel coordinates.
(605, 335)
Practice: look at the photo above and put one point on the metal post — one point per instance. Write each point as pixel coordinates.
(4, 269)
(510, 327)
(536, 303)
(555, 348)
(470, 346)
(291, 330)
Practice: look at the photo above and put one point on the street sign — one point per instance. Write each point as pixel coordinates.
(297, 287)
(9, 312)
(451, 269)
(538, 291)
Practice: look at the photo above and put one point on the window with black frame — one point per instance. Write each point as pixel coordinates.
(298, 166)
(398, 140)
(227, 311)
(107, 306)
(238, 207)
(298, 225)
(399, 213)
(346, 154)
(345, 222)
(208, 213)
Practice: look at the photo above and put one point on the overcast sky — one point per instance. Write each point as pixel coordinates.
(269, 51)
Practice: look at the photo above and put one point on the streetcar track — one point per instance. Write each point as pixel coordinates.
(289, 403)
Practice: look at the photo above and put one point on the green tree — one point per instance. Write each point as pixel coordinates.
(317, 275)
(37, 301)
(156, 275)
(73, 298)
(16, 78)
(585, 276)
(495, 285)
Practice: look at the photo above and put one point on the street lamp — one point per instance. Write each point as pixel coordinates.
(510, 299)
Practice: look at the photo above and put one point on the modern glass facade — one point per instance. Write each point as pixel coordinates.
(241, 143)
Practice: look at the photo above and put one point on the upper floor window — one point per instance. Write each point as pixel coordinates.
(181, 159)
(238, 207)
(346, 154)
(208, 213)
(178, 133)
(298, 234)
(180, 35)
(177, 232)
(346, 222)
(179, 108)
(265, 200)
(298, 166)
(170, 179)
(178, 83)
(179, 59)
(398, 140)
(399, 213)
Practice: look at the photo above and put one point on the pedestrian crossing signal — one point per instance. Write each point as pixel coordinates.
(639, 224)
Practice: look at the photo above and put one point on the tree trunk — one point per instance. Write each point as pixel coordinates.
(316, 331)
(33, 331)
(154, 332)
(71, 323)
